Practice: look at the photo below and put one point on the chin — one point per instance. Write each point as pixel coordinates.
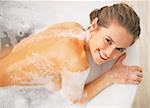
(99, 62)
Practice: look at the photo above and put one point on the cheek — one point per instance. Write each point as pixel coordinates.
(102, 45)
(116, 54)
(98, 42)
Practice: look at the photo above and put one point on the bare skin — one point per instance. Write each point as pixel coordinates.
(50, 48)
(58, 50)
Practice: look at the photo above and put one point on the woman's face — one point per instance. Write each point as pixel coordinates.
(108, 43)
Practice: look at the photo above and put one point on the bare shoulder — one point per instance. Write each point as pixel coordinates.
(75, 55)
(66, 25)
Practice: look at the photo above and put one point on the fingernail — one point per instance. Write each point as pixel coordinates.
(141, 69)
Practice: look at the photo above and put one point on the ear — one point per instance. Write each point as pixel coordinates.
(94, 24)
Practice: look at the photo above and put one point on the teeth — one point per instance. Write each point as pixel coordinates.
(101, 54)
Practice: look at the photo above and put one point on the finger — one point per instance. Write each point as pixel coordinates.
(136, 82)
(137, 73)
(121, 58)
(133, 82)
(136, 68)
(139, 79)
(135, 78)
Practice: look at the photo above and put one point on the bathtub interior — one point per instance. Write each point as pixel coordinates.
(20, 19)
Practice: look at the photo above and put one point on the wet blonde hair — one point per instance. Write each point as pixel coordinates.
(121, 12)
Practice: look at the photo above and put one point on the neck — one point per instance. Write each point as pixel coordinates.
(87, 39)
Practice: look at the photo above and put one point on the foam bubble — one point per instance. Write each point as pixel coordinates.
(68, 33)
(73, 84)
(45, 72)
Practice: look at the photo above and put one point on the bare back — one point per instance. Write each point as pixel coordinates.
(39, 59)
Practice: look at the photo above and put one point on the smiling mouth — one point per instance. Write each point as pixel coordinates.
(101, 56)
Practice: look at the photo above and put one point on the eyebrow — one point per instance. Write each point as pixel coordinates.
(110, 38)
(114, 42)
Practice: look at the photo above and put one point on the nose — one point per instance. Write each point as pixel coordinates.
(109, 51)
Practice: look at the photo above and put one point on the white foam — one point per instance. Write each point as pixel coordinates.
(62, 33)
(46, 70)
(32, 97)
(73, 84)
(69, 33)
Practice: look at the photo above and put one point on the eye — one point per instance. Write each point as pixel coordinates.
(121, 49)
(108, 41)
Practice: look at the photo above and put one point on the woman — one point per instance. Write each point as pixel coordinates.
(58, 57)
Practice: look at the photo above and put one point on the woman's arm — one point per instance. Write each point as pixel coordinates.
(73, 83)
(117, 74)
(94, 87)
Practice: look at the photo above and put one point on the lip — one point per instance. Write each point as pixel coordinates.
(101, 56)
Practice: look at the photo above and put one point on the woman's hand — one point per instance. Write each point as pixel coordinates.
(124, 74)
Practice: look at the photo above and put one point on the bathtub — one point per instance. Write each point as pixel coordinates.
(32, 16)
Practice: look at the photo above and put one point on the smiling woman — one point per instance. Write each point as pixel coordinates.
(59, 56)
(109, 42)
